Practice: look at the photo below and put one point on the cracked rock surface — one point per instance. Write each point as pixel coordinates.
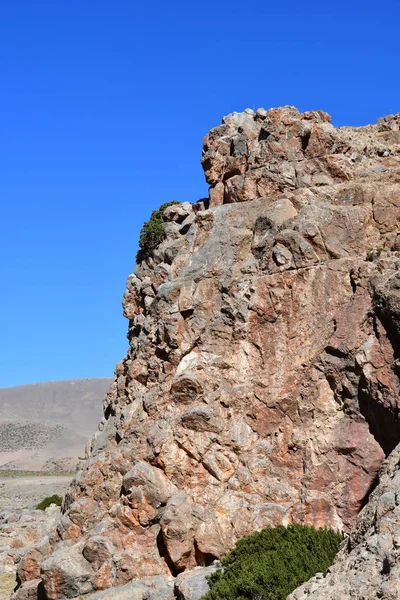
(261, 382)
(368, 566)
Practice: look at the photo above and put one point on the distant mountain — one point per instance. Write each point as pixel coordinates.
(45, 426)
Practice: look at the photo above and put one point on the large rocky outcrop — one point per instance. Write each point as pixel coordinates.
(261, 383)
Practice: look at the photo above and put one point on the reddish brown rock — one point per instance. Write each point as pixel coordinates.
(261, 385)
(24, 541)
(368, 564)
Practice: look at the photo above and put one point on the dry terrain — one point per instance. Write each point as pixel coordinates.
(45, 426)
(43, 431)
(28, 490)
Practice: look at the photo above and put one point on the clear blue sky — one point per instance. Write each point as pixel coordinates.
(103, 106)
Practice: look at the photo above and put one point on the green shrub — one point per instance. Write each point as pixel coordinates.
(151, 234)
(373, 253)
(55, 499)
(270, 564)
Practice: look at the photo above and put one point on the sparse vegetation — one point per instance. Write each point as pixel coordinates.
(373, 253)
(55, 499)
(270, 564)
(20, 473)
(151, 234)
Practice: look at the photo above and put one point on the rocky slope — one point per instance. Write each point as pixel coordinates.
(45, 426)
(21, 529)
(261, 383)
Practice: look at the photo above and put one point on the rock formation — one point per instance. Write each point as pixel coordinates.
(261, 383)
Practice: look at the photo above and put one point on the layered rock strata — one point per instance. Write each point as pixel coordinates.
(261, 383)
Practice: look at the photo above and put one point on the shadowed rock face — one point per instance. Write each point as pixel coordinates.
(368, 565)
(261, 383)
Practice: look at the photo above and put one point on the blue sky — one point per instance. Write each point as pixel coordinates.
(103, 106)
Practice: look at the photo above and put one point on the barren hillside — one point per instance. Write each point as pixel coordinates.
(46, 425)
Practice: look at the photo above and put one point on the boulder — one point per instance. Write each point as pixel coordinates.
(192, 585)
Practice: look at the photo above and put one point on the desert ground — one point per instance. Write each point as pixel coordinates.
(45, 426)
(26, 491)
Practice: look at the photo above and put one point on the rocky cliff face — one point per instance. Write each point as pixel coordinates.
(368, 566)
(261, 384)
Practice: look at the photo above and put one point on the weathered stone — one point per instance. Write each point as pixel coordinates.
(98, 550)
(177, 526)
(29, 590)
(192, 585)
(67, 574)
(155, 485)
(24, 542)
(149, 588)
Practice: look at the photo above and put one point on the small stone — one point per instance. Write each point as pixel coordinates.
(261, 113)
(281, 255)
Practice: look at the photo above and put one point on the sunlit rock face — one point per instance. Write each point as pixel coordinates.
(261, 383)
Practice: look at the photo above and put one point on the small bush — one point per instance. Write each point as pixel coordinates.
(373, 253)
(55, 499)
(151, 234)
(270, 564)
